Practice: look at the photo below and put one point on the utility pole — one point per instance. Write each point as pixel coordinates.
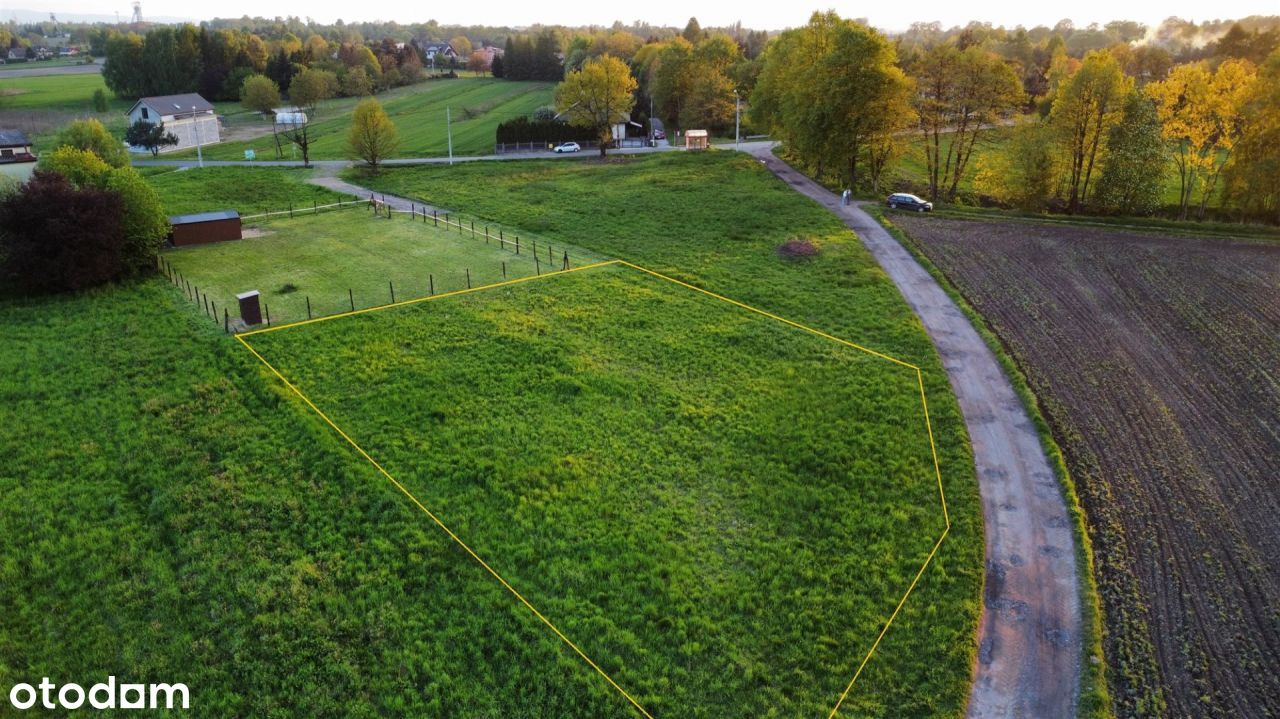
(448, 125)
(737, 120)
(199, 152)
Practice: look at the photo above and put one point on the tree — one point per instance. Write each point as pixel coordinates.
(259, 93)
(99, 100)
(461, 45)
(357, 83)
(825, 90)
(151, 136)
(710, 102)
(1022, 172)
(145, 223)
(1133, 178)
(692, 31)
(1202, 116)
(122, 71)
(597, 96)
(1087, 106)
(91, 135)
(960, 94)
(307, 91)
(1253, 177)
(55, 237)
(478, 63)
(373, 137)
(496, 68)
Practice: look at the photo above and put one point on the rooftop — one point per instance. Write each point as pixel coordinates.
(174, 104)
(13, 138)
(204, 217)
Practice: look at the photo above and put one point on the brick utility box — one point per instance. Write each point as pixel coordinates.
(250, 308)
(205, 227)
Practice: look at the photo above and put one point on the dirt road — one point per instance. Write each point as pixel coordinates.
(1029, 635)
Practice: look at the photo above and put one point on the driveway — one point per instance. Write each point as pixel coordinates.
(1029, 642)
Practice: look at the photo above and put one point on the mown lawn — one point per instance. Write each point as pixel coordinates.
(320, 257)
(477, 105)
(249, 190)
(719, 508)
(717, 220)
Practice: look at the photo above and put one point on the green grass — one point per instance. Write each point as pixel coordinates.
(321, 257)
(669, 477)
(57, 92)
(478, 105)
(717, 219)
(167, 517)
(186, 518)
(250, 190)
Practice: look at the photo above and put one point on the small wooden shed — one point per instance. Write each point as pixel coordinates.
(695, 140)
(205, 227)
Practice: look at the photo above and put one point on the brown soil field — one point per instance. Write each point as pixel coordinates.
(1156, 362)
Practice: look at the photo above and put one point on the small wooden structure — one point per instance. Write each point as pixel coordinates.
(696, 140)
(205, 227)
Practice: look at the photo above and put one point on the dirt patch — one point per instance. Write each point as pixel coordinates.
(1156, 361)
(249, 233)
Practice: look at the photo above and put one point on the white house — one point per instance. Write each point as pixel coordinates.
(433, 50)
(189, 117)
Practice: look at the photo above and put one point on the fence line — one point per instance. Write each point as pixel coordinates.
(303, 210)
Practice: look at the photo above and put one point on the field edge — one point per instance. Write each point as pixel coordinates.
(1095, 697)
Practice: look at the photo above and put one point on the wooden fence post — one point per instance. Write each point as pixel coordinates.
(504, 269)
(226, 321)
(431, 284)
(468, 278)
(308, 306)
(352, 299)
(393, 291)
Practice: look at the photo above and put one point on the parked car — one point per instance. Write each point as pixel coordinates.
(659, 135)
(567, 147)
(907, 201)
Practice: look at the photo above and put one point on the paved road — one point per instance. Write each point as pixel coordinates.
(1029, 634)
(536, 155)
(34, 69)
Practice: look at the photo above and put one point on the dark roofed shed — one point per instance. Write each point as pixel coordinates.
(205, 227)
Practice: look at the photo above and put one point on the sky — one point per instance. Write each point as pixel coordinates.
(766, 15)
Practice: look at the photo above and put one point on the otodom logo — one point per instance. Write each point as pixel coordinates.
(106, 695)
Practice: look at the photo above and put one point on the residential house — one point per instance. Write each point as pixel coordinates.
(438, 53)
(16, 159)
(189, 117)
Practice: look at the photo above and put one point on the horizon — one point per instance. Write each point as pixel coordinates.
(662, 13)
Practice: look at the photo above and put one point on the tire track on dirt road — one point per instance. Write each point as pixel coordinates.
(1029, 635)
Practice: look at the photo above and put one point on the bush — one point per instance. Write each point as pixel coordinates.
(99, 100)
(145, 223)
(81, 168)
(91, 135)
(55, 237)
(523, 129)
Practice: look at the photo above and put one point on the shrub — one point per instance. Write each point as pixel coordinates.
(55, 237)
(99, 100)
(81, 168)
(145, 223)
(91, 135)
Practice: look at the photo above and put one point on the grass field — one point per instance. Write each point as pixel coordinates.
(1152, 358)
(248, 190)
(673, 479)
(207, 506)
(320, 257)
(477, 106)
(72, 93)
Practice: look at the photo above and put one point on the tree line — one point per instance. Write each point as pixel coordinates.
(1103, 132)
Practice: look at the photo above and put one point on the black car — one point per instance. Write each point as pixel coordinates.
(906, 201)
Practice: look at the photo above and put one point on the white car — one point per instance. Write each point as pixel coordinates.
(567, 147)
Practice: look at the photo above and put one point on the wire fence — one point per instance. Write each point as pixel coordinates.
(529, 255)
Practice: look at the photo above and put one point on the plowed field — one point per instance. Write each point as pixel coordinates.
(1157, 362)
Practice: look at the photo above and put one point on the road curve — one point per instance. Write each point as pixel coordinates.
(1029, 635)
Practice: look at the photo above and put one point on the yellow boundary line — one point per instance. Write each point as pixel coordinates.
(923, 402)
